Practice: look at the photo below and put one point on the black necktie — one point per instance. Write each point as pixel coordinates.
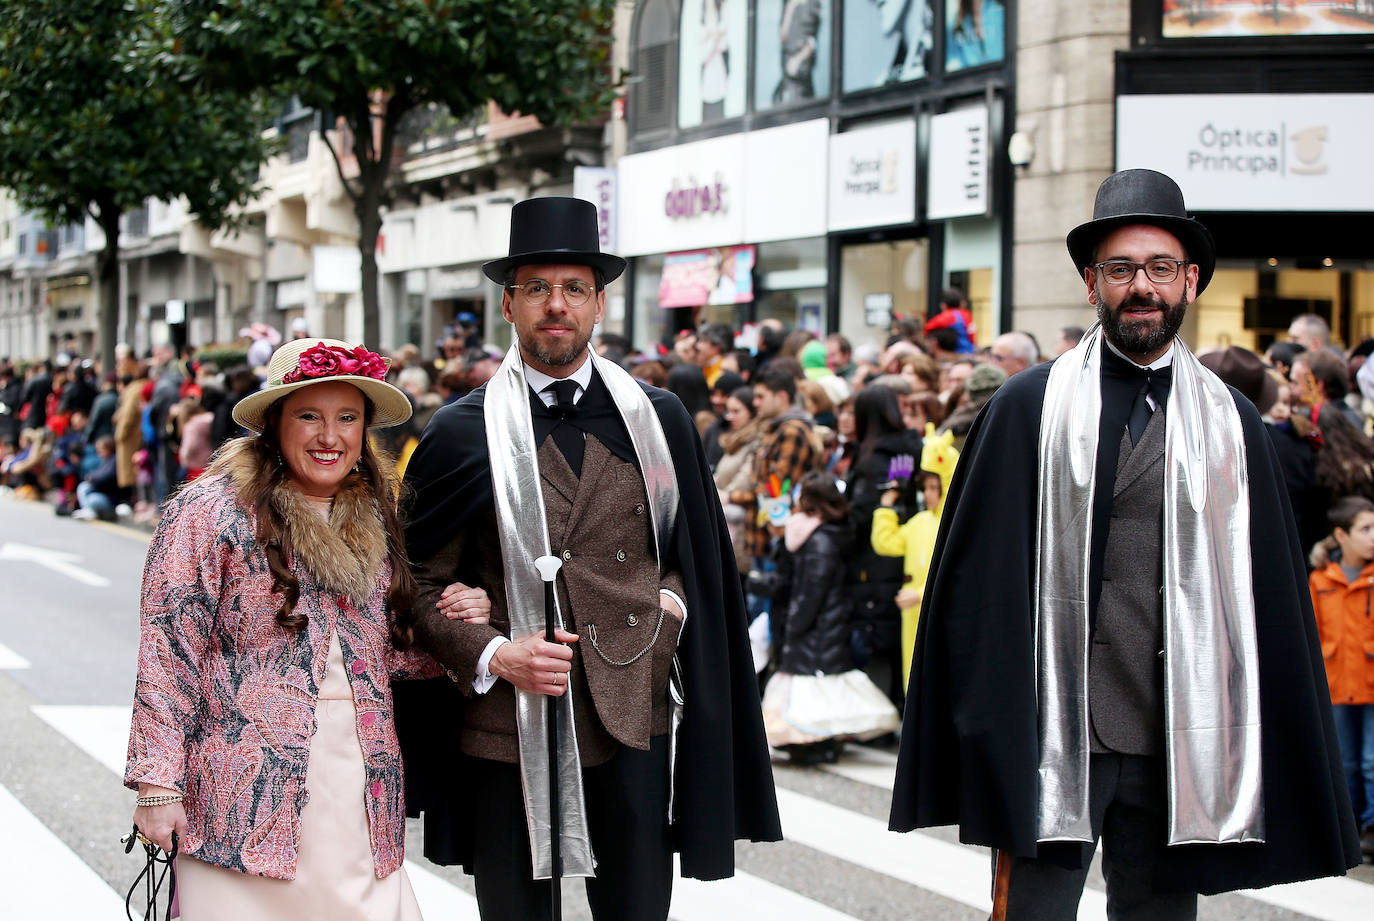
(1153, 383)
(568, 437)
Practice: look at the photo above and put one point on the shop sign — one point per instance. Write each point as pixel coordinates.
(720, 275)
(1254, 152)
(873, 176)
(957, 181)
(596, 184)
(683, 197)
(783, 165)
(445, 280)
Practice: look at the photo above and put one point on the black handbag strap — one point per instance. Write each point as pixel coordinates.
(151, 879)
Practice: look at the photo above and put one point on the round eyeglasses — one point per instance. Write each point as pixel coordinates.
(1122, 271)
(537, 292)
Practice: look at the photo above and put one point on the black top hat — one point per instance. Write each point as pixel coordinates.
(555, 231)
(1143, 196)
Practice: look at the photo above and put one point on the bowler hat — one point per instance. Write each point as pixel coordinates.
(555, 231)
(1143, 196)
(1243, 370)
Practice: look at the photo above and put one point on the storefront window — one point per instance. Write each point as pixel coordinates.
(973, 249)
(792, 52)
(886, 41)
(879, 282)
(712, 60)
(1254, 307)
(649, 321)
(974, 33)
(791, 280)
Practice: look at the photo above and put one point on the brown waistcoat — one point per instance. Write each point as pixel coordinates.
(608, 592)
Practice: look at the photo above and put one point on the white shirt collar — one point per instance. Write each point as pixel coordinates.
(1162, 361)
(538, 380)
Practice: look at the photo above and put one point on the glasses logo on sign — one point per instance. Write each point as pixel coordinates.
(1309, 145)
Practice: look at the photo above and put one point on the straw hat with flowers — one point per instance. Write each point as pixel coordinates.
(302, 362)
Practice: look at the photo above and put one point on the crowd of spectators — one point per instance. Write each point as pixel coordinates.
(883, 420)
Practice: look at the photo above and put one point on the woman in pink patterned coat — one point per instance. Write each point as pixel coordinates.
(262, 726)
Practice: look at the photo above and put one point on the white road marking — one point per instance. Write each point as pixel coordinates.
(745, 896)
(11, 659)
(58, 561)
(954, 871)
(57, 885)
(438, 897)
(101, 732)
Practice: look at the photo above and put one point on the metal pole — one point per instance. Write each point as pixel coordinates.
(548, 567)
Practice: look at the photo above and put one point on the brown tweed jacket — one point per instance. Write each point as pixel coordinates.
(608, 591)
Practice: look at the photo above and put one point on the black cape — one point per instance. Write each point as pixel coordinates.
(969, 748)
(724, 779)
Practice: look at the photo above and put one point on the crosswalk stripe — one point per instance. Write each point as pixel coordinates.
(954, 871)
(744, 895)
(101, 732)
(11, 659)
(1330, 899)
(438, 897)
(1333, 899)
(57, 884)
(951, 870)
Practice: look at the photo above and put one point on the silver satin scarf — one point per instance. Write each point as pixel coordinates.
(1211, 666)
(524, 533)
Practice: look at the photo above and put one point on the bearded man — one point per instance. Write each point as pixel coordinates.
(1145, 667)
(660, 744)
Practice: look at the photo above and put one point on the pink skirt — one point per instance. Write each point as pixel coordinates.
(335, 875)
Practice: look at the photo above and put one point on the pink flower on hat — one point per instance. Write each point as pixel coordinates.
(331, 361)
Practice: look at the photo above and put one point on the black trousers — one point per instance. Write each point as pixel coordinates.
(1127, 805)
(627, 815)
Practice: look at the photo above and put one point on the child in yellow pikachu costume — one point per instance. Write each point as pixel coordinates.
(915, 540)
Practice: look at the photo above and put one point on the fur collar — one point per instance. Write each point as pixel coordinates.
(345, 554)
(750, 431)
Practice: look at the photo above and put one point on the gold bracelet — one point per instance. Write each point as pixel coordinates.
(165, 800)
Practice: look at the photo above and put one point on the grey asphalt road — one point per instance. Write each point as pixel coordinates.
(64, 719)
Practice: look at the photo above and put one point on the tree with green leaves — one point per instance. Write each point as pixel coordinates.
(99, 111)
(370, 62)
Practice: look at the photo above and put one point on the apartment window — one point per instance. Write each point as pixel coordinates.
(652, 65)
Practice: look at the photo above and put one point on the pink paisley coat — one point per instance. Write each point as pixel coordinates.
(224, 707)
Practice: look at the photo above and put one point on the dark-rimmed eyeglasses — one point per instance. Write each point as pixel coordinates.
(1122, 271)
(537, 292)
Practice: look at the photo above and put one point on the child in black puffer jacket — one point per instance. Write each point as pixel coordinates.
(817, 698)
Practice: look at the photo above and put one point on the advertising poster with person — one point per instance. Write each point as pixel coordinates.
(886, 41)
(791, 51)
(712, 60)
(717, 276)
(975, 33)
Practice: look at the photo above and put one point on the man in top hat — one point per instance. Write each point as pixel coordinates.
(661, 746)
(1145, 667)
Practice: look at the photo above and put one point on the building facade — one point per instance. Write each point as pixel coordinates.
(830, 164)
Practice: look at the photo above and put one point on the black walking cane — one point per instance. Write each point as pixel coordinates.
(548, 567)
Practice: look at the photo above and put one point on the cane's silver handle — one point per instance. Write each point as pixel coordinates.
(548, 567)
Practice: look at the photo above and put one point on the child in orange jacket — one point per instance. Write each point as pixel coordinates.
(1343, 599)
